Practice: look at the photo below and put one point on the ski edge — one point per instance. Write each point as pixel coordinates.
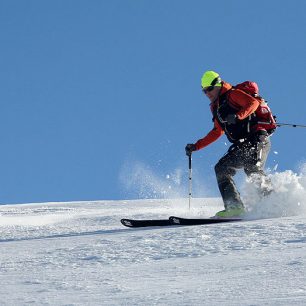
(145, 223)
(173, 220)
(198, 221)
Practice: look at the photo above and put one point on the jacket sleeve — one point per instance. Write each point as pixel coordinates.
(244, 103)
(212, 136)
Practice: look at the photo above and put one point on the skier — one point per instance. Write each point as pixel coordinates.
(235, 114)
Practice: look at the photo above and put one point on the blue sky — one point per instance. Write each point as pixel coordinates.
(91, 88)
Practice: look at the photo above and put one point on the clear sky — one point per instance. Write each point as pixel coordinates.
(89, 89)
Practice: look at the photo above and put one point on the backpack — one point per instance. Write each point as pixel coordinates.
(264, 119)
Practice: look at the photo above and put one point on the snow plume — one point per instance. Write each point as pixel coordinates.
(287, 199)
(140, 180)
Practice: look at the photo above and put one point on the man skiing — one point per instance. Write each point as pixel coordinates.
(235, 114)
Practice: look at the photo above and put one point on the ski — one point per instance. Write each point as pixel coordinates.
(145, 223)
(198, 221)
(175, 221)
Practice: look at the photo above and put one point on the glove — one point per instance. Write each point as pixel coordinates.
(231, 119)
(190, 148)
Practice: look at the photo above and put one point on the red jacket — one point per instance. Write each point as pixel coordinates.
(239, 100)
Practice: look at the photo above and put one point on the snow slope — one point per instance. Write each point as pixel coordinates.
(79, 254)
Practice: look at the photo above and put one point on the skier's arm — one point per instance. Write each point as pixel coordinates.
(212, 136)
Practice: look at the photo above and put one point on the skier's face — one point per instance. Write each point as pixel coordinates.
(212, 92)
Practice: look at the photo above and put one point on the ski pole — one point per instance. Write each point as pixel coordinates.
(190, 180)
(291, 125)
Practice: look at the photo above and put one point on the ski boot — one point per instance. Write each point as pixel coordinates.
(231, 212)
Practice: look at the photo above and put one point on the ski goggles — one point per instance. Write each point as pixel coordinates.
(208, 89)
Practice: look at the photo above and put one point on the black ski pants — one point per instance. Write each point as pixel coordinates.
(249, 155)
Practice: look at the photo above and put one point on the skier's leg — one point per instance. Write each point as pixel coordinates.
(254, 166)
(225, 170)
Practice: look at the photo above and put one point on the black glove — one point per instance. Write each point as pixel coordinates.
(231, 119)
(190, 148)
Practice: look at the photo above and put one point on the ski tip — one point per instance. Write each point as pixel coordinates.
(126, 222)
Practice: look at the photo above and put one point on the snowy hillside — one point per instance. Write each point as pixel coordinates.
(79, 254)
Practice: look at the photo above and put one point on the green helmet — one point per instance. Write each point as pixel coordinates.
(210, 78)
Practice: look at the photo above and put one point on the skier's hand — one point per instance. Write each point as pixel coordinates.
(231, 119)
(190, 148)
